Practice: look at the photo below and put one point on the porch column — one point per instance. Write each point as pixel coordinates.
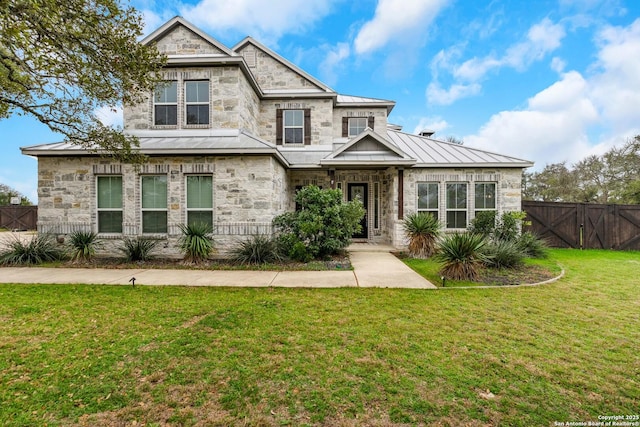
(400, 193)
(332, 178)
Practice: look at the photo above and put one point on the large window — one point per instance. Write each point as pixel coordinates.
(456, 205)
(154, 204)
(109, 204)
(293, 126)
(485, 196)
(197, 102)
(357, 125)
(165, 104)
(428, 198)
(200, 199)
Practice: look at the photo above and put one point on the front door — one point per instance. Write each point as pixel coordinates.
(360, 192)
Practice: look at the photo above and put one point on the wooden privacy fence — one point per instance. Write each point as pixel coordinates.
(585, 225)
(18, 217)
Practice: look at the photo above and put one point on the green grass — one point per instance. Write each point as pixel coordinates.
(111, 355)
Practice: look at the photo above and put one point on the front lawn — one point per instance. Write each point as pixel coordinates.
(115, 355)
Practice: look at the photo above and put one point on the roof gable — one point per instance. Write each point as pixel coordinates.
(179, 37)
(368, 148)
(274, 73)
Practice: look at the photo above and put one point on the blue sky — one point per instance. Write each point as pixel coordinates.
(543, 80)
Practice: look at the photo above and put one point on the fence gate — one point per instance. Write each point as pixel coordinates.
(18, 217)
(585, 225)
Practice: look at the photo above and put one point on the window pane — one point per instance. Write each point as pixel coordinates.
(200, 216)
(110, 222)
(293, 136)
(357, 125)
(293, 117)
(427, 196)
(197, 91)
(197, 114)
(456, 219)
(154, 192)
(166, 114)
(486, 195)
(199, 192)
(167, 92)
(456, 196)
(154, 222)
(110, 192)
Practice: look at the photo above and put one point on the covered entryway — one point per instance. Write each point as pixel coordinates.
(360, 191)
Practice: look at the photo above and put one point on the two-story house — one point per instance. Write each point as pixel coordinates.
(231, 135)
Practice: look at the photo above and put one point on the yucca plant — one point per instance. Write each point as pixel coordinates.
(196, 243)
(137, 249)
(41, 248)
(532, 246)
(83, 245)
(257, 249)
(423, 230)
(461, 255)
(502, 254)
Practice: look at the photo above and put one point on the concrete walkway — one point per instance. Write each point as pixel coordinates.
(373, 267)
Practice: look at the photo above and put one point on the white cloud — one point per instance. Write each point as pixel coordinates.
(264, 20)
(110, 116)
(333, 61)
(436, 95)
(436, 124)
(555, 126)
(396, 20)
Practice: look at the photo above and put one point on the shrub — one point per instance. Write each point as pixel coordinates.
(323, 225)
(41, 248)
(532, 246)
(196, 243)
(461, 254)
(83, 245)
(484, 223)
(509, 226)
(257, 249)
(423, 230)
(137, 249)
(502, 254)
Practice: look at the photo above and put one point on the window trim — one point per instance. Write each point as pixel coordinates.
(345, 124)
(186, 198)
(285, 127)
(99, 209)
(433, 211)
(197, 103)
(167, 104)
(464, 209)
(280, 126)
(143, 209)
(349, 127)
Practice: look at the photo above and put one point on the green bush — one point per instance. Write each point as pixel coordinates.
(323, 225)
(484, 223)
(196, 242)
(83, 245)
(41, 248)
(137, 249)
(502, 254)
(509, 225)
(423, 230)
(257, 249)
(461, 255)
(532, 246)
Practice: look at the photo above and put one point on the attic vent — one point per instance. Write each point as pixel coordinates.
(427, 132)
(250, 58)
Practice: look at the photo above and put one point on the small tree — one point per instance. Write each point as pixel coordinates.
(323, 225)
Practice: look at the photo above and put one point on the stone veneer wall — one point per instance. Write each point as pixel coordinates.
(183, 41)
(248, 193)
(508, 189)
(233, 102)
(321, 118)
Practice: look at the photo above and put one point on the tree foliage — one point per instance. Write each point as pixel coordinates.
(323, 225)
(62, 60)
(613, 177)
(6, 193)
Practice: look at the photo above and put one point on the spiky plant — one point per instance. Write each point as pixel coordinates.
(423, 230)
(41, 248)
(138, 249)
(461, 255)
(532, 246)
(257, 249)
(196, 243)
(83, 245)
(502, 254)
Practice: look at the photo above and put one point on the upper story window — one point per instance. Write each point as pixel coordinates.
(357, 125)
(165, 104)
(293, 126)
(197, 102)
